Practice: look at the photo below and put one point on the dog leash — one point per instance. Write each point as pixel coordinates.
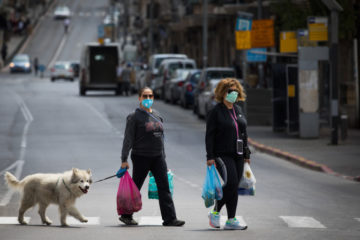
(105, 178)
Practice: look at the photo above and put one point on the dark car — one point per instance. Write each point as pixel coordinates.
(187, 90)
(20, 63)
(208, 74)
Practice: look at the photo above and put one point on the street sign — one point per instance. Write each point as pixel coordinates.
(243, 24)
(256, 57)
(243, 40)
(288, 42)
(318, 28)
(101, 31)
(262, 33)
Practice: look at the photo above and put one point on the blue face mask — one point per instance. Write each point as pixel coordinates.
(147, 103)
(231, 97)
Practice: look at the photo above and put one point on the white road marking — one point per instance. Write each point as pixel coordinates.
(18, 165)
(58, 50)
(91, 221)
(105, 120)
(301, 222)
(12, 220)
(151, 221)
(223, 220)
(358, 219)
(193, 185)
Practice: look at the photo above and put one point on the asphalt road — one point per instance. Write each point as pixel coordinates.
(48, 127)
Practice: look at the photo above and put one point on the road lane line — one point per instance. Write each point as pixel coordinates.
(59, 49)
(104, 119)
(150, 220)
(301, 222)
(358, 219)
(12, 220)
(18, 165)
(91, 221)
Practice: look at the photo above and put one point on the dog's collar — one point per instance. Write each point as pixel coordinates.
(66, 186)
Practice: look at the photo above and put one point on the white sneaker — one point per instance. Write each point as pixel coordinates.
(214, 219)
(234, 224)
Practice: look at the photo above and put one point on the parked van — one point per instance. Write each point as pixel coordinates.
(98, 65)
(154, 63)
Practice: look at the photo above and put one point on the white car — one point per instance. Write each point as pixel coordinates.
(62, 12)
(62, 70)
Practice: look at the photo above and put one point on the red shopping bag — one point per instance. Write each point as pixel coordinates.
(128, 198)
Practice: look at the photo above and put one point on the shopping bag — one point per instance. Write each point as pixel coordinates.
(248, 179)
(246, 191)
(128, 198)
(152, 189)
(212, 187)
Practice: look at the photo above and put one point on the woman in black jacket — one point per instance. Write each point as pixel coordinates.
(226, 144)
(144, 136)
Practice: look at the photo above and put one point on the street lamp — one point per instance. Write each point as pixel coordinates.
(335, 8)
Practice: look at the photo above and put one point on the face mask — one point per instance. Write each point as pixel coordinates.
(231, 97)
(147, 103)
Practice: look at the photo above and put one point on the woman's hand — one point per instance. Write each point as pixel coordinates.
(247, 161)
(125, 165)
(210, 162)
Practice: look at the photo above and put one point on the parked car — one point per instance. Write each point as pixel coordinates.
(20, 63)
(206, 75)
(167, 68)
(172, 87)
(62, 70)
(75, 65)
(154, 63)
(62, 12)
(187, 90)
(206, 99)
(98, 65)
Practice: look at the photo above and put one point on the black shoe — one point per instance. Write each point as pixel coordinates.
(128, 220)
(174, 223)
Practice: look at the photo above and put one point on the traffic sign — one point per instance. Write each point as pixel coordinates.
(262, 33)
(243, 40)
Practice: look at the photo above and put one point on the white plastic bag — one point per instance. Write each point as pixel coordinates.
(248, 179)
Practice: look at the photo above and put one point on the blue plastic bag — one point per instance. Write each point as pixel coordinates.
(212, 187)
(152, 189)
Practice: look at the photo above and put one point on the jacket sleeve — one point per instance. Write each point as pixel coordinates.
(129, 137)
(210, 134)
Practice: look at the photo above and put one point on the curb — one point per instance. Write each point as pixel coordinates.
(298, 160)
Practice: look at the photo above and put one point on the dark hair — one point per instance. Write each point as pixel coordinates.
(143, 89)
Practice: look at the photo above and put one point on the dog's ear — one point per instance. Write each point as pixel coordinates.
(89, 172)
(74, 177)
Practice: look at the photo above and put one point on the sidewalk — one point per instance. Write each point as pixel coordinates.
(342, 160)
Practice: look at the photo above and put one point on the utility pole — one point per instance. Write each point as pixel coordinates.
(260, 65)
(335, 8)
(151, 27)
(205, 33)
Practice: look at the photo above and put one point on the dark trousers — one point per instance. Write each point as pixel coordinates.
(157, 165)
(234, 168)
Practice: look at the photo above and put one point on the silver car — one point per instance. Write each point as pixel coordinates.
(173, 87)
(62, 70)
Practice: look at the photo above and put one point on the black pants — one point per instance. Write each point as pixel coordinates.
(157, 165)
(234, 168)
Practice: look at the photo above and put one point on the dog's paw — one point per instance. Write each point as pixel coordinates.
(47, 222)
(84, 220)
(64, 224)
(23, 223)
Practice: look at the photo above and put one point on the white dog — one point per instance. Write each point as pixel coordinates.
(61, 189)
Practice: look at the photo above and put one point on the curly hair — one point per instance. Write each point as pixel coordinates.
(224, 85)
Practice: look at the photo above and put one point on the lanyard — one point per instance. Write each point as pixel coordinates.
(234, 118)
(152, 116)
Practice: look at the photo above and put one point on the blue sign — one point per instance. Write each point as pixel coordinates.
(243, 24)
(101, 31)
(255, 57)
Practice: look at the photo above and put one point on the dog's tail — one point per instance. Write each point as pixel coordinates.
(12, 181)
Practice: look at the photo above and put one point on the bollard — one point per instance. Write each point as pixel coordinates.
(343, 126)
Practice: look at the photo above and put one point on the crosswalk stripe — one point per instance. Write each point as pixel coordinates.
(12, 220)
(301, 222)
(150, 220)
(91, 221)
(223, 220)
